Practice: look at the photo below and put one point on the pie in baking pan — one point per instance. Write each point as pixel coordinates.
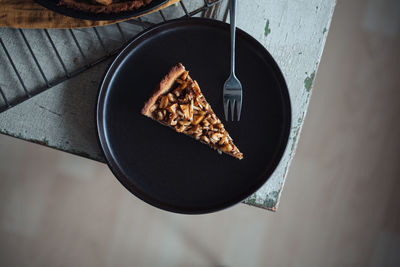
(104, 6)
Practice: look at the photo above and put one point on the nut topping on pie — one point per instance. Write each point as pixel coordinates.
(104, 6)
(180, 104)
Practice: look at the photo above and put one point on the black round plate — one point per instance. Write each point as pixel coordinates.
(170, 170)
(70, 12)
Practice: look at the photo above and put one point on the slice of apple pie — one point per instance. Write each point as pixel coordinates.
(104, 6)
(180, 104)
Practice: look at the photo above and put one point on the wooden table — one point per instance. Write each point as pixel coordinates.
(293, 31)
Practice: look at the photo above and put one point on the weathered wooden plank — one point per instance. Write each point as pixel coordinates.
(294, 32)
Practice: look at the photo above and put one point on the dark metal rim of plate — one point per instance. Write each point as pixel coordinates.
(70, 12)
(102, 139)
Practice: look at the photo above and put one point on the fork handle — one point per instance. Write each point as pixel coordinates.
(232, 16)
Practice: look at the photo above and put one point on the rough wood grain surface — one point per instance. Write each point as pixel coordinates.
(294, 32)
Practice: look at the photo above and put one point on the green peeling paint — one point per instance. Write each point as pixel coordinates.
(252, 200)
(269, 203)
(324, 31)
(267, 28)
(275, 194)
(308, 81)
(45, 141)
(294, 139)
(271, 200)
(6, 132)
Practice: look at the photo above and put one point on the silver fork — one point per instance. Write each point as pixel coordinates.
(232, 93)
